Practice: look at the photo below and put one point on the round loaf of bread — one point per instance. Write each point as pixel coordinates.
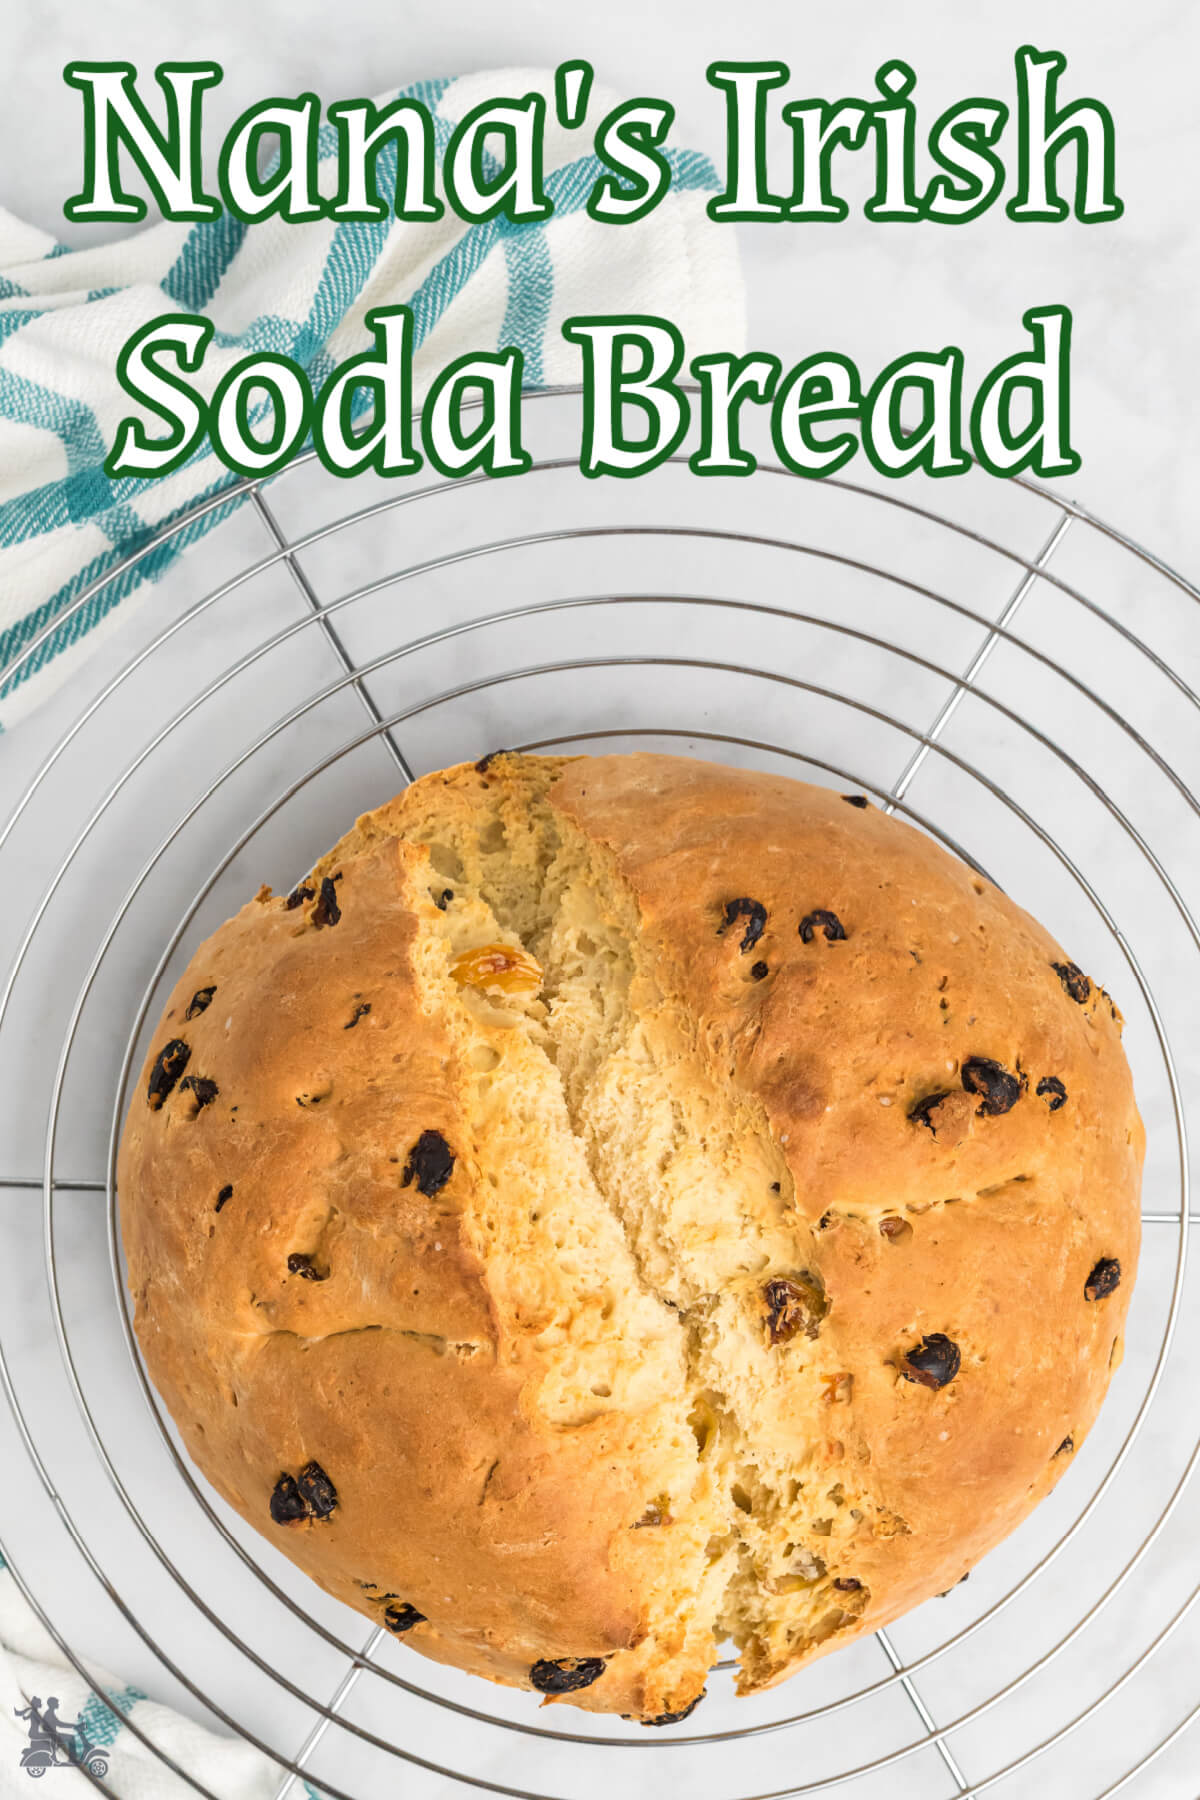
(618, 1204)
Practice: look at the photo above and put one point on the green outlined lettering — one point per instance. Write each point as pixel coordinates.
(726, 383)
(572, 91)
(1044, 130)
(363, 128)
(971, 174)
(627, 141)
(287, 405)
(290, 191)
(168, 396)
(494, 161)
(746, 86)
(817, 127)
(517, 190)
(494, 446)
(610, 387)
(895, 120)
(1045, 444)
(169, 160)
(935, 445)
(636, 412)
(384, 443)
(820, 389)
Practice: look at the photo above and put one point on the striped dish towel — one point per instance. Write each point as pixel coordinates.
(50, 1718)
(300, 289)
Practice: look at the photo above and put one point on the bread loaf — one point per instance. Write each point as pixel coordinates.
(615, 1205)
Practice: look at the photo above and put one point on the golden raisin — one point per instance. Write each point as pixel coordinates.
(512, 971)
(793, 1304)
(657, 1513)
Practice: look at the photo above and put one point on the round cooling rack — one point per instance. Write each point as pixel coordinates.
(984, 659)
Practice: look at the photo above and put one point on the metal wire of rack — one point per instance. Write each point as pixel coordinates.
(361, 699)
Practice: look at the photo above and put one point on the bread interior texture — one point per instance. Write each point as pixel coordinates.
(632, 1210)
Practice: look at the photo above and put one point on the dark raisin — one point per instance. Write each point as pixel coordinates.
(169, 1065)
(200, 1002)
(999, 1090)
(759, 971)
(205, 1090)
(225, 1194)
(299, 1264)
(402, 1618)
(934, 1362)
(948, 1117)
(674, 1718)
(326, 911)
(777, 1187)
(825, 1221)
(847, 1584)
(320, 1495)
(444, 898)
(894, 1228)
(485, 762)
(566, 1674)
(922, 1112)
(297, 896)
(287, 1502)
(1104, 1279)
(430, 1164)
(1052, 1091)
(856, 799)
(755, 915)
(1066, 1447)
(1074, 981)
(824, 921)
(793, 1304)
(356, 1015)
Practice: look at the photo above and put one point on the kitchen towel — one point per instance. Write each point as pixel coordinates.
(300, 289)
(53, 1722)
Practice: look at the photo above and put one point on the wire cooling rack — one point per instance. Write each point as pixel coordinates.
(985, 659)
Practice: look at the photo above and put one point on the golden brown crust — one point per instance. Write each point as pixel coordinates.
(410, 1353)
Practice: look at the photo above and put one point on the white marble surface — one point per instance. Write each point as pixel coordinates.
(872, 291)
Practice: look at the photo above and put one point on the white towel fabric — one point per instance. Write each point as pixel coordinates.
(34, 1672)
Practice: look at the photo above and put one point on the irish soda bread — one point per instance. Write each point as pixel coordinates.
(617, 1204)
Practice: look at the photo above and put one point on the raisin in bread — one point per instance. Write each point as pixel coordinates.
(618, 1204)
